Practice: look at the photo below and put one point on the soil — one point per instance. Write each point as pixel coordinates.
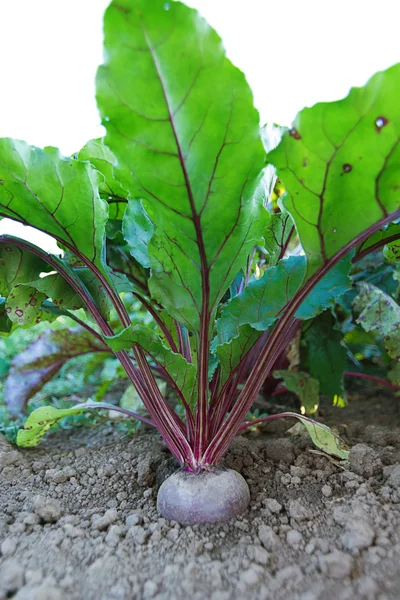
(78, 517)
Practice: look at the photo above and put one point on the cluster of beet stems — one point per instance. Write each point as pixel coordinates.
(220, 413)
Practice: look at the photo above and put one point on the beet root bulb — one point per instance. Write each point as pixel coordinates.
(205, 497)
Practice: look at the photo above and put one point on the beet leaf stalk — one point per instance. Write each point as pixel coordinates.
(172, 208)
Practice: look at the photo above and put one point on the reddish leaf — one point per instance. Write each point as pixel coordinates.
(42, 359)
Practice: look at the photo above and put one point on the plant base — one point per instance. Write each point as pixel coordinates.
(205, 497)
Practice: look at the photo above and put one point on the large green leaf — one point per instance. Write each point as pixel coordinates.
(324, 355)
(42, 359)
(322, 436)
(25, 283)
(340, 163)
(232, 351)
(53, 193)
(182, 374)
(180, 120)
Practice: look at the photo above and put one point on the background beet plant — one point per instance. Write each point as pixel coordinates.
(172, 208)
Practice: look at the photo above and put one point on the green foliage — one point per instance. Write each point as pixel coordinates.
(276, 236)
(171, 210)
(53, 190)
(324, 355)
(205, 149)
(44, 418)
(306, 388)
(181, 373)
(381, 314)
(263, 300)
(339, 163)
(322, 436)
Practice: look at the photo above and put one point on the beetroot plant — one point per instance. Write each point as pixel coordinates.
(172, 207)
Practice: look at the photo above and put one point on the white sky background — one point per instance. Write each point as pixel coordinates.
(294, 53)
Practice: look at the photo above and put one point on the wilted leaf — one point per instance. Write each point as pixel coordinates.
(324, 356)
(44, 418)
(322, 436)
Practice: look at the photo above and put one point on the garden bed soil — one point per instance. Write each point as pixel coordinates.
(78, 517)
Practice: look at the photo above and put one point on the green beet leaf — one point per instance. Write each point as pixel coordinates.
(23, 305)
(53, 193)
(304, 386)
(380, 238)
(5, 323)
(340, 164)
(186, 136)
(392, 251)
(42, 419)
(138, 231)
(18, 266)
(231, 352)
(324, 356)
(263, 300)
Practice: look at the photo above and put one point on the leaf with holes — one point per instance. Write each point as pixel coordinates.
(381, 314)
(42, 419)
(340, 164)
(322, 436)
(391, 251)
(277, 236)
(23, 305)
(42, 359)
(5, 323)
